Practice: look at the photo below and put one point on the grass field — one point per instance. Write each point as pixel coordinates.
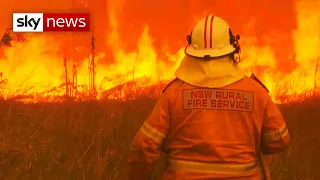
(90, 140)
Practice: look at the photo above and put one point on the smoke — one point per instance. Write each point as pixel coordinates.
(121, 23)
(10, 6)
(5, 15)
(172, 20)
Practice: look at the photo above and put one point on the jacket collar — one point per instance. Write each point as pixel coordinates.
(213, 74)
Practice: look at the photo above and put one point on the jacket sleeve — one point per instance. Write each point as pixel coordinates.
(275, 135)
(146, 146)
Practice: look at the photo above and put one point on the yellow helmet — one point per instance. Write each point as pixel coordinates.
(212, 38)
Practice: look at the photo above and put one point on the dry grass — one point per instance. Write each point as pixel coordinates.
(301, 161)
(89, 140)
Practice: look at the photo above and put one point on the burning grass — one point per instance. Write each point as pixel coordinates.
(90, 140)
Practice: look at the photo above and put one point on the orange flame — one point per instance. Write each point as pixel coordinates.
(36, 66)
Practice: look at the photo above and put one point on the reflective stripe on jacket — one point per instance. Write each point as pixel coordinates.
(275, 135)
(152, 133)
(216, 168)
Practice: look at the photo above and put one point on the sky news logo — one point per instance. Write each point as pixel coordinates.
(42, 22)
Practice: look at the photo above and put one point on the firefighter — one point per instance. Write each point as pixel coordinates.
(212, 121)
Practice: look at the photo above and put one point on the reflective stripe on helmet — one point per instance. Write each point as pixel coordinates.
(152, 133)
(276, 135)
(205, 32)
(191, 166)
(211, 25)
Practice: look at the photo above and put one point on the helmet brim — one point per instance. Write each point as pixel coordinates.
(212, 52)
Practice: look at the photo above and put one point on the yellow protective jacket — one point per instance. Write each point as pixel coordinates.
(209, 133)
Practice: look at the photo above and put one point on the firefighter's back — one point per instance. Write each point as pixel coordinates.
(215, 133)
(210, 133)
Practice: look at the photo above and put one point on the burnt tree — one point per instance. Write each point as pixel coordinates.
(10, 37)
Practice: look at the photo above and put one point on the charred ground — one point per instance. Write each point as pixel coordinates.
(90, 140)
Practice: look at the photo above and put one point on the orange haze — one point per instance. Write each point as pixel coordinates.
(280, 42)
